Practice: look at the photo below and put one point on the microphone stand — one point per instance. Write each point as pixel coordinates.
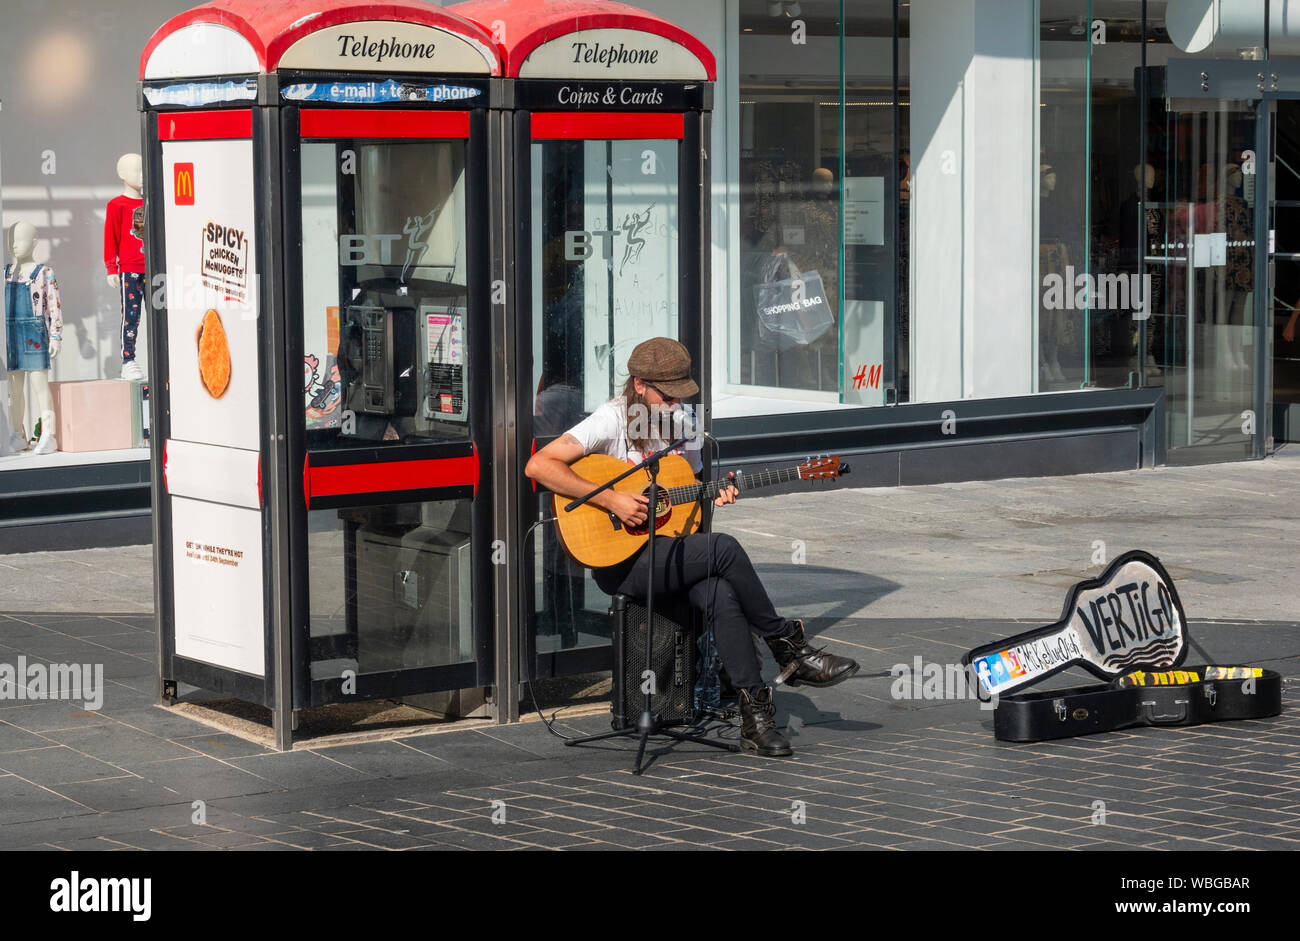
(648, 723)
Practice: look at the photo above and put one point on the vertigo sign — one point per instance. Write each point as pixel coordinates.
(1130, 618)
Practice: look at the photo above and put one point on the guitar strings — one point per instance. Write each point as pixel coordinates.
(742, 482)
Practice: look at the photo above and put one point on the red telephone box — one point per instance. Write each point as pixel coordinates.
(317, 198)
(456, 222)
(605, 137)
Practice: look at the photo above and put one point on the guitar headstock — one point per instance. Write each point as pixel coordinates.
(822, 468)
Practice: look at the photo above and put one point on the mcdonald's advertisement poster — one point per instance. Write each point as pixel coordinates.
(210, 292)
(210, 298)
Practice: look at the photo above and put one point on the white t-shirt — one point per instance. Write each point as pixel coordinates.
(604, 431)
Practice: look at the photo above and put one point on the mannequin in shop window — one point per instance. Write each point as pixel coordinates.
(124, 257)
(1140, 227)
(1225, 288)
(33, 337)
(1053, 258)
(1238, 275)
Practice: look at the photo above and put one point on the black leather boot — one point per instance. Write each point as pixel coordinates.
(802, 665)
(758, 727)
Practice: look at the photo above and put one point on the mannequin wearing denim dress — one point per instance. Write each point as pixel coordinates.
(33, 336)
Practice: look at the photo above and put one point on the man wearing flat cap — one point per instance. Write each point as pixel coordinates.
(711, 568)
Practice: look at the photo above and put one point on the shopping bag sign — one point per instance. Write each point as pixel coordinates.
(797, 291)
(1130, 618)
(793, 311)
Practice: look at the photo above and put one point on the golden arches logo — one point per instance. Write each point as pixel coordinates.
(184, 184)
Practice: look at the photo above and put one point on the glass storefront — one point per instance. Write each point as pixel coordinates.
(822, 256)
(828, 211)
(1153, 213)
(826, 179)
(74, 377)
(909, 206)
(1285, 221)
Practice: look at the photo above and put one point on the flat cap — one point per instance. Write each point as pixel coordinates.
(666, 365)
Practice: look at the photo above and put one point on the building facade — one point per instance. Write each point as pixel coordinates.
(953, 238)
(949, 239)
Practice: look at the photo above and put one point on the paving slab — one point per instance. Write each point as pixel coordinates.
(888, 576)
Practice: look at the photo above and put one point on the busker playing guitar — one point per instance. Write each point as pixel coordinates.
(711, 568)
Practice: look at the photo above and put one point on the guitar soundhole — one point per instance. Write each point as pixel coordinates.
(665, 510)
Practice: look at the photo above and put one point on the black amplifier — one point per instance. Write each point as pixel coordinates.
(672, 661)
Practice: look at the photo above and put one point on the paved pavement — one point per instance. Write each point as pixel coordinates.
(887, 575)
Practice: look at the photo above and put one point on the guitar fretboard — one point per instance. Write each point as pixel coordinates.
(708, 491)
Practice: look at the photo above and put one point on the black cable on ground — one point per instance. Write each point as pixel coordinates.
(529, 682)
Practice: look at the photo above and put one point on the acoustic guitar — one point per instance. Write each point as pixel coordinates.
(598, 538)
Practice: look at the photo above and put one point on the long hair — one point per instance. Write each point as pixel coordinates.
(636, 415)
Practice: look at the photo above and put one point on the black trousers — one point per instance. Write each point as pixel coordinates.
(714, 571)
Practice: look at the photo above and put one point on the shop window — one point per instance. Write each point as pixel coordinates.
(1097, 326)
(74, 362)
(816, 309)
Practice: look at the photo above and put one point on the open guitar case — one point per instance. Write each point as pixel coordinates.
(1147, 686)
(1187, 696)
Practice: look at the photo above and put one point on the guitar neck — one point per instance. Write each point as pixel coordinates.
(742, 482)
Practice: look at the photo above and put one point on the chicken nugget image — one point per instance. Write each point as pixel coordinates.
(214, 355)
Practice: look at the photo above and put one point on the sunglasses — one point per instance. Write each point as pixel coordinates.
(662, 394)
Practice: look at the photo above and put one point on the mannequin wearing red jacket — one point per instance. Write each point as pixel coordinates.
(124, 256)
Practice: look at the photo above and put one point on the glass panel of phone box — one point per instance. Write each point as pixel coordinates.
(384, 325)
(385, 334)
(605, 277)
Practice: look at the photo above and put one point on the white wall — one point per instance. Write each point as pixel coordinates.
(974, 186)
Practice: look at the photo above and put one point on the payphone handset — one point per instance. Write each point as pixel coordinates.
(376, 360)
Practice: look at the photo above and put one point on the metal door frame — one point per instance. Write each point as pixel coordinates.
(1263, 82)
